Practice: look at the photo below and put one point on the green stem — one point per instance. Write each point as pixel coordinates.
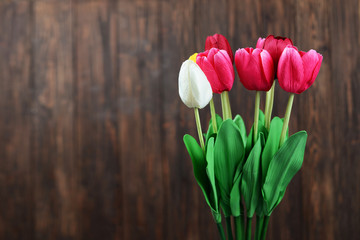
(259, 224)
(221, 231)
(228, 107)
(239, 227)
(213, 115)
(228, 228)
(256, 115)
(272, 99)
(269, 106)
(248, 228)
(264, 229)
(198, 126)
(286, 119)
(223, 105)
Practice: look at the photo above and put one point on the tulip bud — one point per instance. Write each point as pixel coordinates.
(194, 88)
(297, 70)
(218, 68)
(220, 42)
(274, 45)
(255, 68)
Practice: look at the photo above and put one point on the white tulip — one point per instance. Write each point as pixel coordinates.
(194, 88)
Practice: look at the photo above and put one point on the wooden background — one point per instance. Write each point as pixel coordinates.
(91, 124)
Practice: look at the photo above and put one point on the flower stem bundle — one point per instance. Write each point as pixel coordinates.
(238, 169)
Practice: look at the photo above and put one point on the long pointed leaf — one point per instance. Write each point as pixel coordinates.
(210, 170)
(210, 130)
(271, 145)
(229, 154)
(199, 165)
(239, 122)
(251, 178)
(283, 167)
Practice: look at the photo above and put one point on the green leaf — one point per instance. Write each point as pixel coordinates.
(229, 155)
(250, 141)
(239, 122)
(210, 131)
(199, 164)
(271, 146)
(287, 132)
(261, 117)
(283, 167)
(251, 178)
(235, 197)
(210, 170)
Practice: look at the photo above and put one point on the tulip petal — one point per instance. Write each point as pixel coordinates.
(267, 67)
(210, 73)
(242, 58)
(290, 70)
(224, 69)
(247, 64)
(211, 55)
(270, 45)
(201, 89)
(260, 42)
(312, 62)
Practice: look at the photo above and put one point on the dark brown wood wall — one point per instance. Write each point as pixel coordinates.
(91, 124)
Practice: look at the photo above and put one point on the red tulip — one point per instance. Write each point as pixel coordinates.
(220, 42)
(255, 68)
(297, 70)
(274, 45)
(218, 68)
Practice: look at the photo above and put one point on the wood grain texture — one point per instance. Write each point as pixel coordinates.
(91, 126)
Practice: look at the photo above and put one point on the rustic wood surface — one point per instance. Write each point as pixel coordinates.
(91, 124)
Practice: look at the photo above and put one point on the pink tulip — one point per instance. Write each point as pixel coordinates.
(297, 70)
(220, 42)
(255, 68)
(274, 45)
(218, 68)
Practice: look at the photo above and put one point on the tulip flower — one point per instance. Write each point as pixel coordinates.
(274, 45)
(195, 91)
(217, 66)
(255, 68)
(194, 88)
(219, 70)
(297, 70)
(220, 42)
(256, 71)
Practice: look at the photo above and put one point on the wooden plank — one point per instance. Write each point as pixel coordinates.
(53, 148)
(316, 182)
(16, 107)
(343, 47)
(96, 123)
(140, 103)
(91, 126)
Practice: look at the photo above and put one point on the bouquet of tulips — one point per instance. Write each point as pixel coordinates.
(245, 174)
